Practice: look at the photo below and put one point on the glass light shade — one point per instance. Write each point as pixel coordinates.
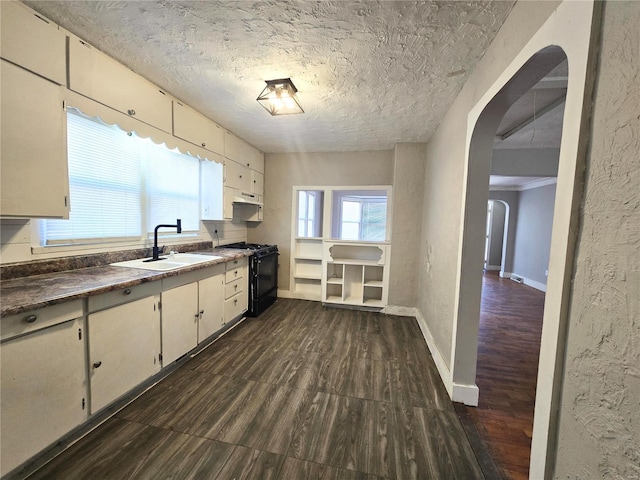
(279, 97)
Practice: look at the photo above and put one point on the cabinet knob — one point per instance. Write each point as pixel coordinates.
(235, 287)
(240, 176)
(197, 316)
(201, 312)
(248, 164)
(131, 112)
(30, 318)
(97, 364)
(126, 291)
(235, 302)
(204, 144)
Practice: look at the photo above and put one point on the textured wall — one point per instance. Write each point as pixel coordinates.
(444, 176)
(283, 171)
(408, 175)
(533, 233)
(600, 412)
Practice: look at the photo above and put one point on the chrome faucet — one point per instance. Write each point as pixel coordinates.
(156, 251)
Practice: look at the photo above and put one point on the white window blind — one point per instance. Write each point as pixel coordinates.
(173, 188)
(122, 186)
(104, 185)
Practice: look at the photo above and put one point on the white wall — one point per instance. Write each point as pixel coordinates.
(285, 170)
(444, 178)
(533, 234)
(534, 162)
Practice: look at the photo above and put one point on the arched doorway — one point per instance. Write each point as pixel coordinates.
(553, 43)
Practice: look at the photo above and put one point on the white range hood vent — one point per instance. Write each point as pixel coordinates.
(247, 199)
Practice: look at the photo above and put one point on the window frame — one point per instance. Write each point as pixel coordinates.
(146, 231)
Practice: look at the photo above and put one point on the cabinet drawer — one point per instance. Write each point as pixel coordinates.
(233, 288)
(235, 263)
(235, 306)
(233, 275)
(21, 323)
(124, 295)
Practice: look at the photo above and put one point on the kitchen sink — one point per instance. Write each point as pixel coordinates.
(169, 262)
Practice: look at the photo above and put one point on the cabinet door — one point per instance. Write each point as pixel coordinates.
(197, 129)
(33, 42)
(240, 151)
(211, 190)
(94, 75)
(34, 181)
(258, 183)
(229, 194)
(211, 303)
(43, 390)
(124, 348)
(179, 321)
(237, 176)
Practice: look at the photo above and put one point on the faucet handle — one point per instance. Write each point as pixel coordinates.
(161, 249)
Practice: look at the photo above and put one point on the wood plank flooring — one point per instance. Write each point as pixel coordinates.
(508, 352)
(301, 392)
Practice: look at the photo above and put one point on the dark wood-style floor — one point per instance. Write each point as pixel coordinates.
(508, 352)
(302, 392)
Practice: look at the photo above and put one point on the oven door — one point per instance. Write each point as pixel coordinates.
(266, 275)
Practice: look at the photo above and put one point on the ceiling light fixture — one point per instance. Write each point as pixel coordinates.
(279, 97)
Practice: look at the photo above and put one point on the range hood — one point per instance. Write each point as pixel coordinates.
(244, 198)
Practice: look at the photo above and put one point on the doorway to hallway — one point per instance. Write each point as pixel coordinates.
(500, 427)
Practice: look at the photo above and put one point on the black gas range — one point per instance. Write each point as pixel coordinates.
(263, 275)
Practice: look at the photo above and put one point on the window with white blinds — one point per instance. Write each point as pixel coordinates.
(121, 186)
(173, 188)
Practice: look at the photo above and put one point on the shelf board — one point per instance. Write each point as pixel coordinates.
(335, 280)
(308, 257)
(355, 261)
(373, 302)
(312, 239)
(334, 299)
(307, 277)
(374, 283)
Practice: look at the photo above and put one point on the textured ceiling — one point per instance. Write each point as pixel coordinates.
(369, 73)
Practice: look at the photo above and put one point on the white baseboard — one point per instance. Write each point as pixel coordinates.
(532, 283)
(505, 274)
(400, 311)
(438, 359)
(467, 394)
(298, 296)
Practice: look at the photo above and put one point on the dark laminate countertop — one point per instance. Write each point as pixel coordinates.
(27, 293)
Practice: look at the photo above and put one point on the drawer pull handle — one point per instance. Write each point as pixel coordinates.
(235, 287)
(30, 318)
(97, 364)
(127, 292)
(236, 272)
(197, 316)
(235, 302)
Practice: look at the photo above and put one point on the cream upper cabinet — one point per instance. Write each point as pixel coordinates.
(258, 183)
(34, 180)
(97, 76)
(211, 188)
(197, 129)
(237, 176)
(240, 151)
(30, 40)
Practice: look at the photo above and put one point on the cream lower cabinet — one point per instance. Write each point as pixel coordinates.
(236, 283)
(192, 310)
(124, 348)
(210, 304)
(43, 387)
